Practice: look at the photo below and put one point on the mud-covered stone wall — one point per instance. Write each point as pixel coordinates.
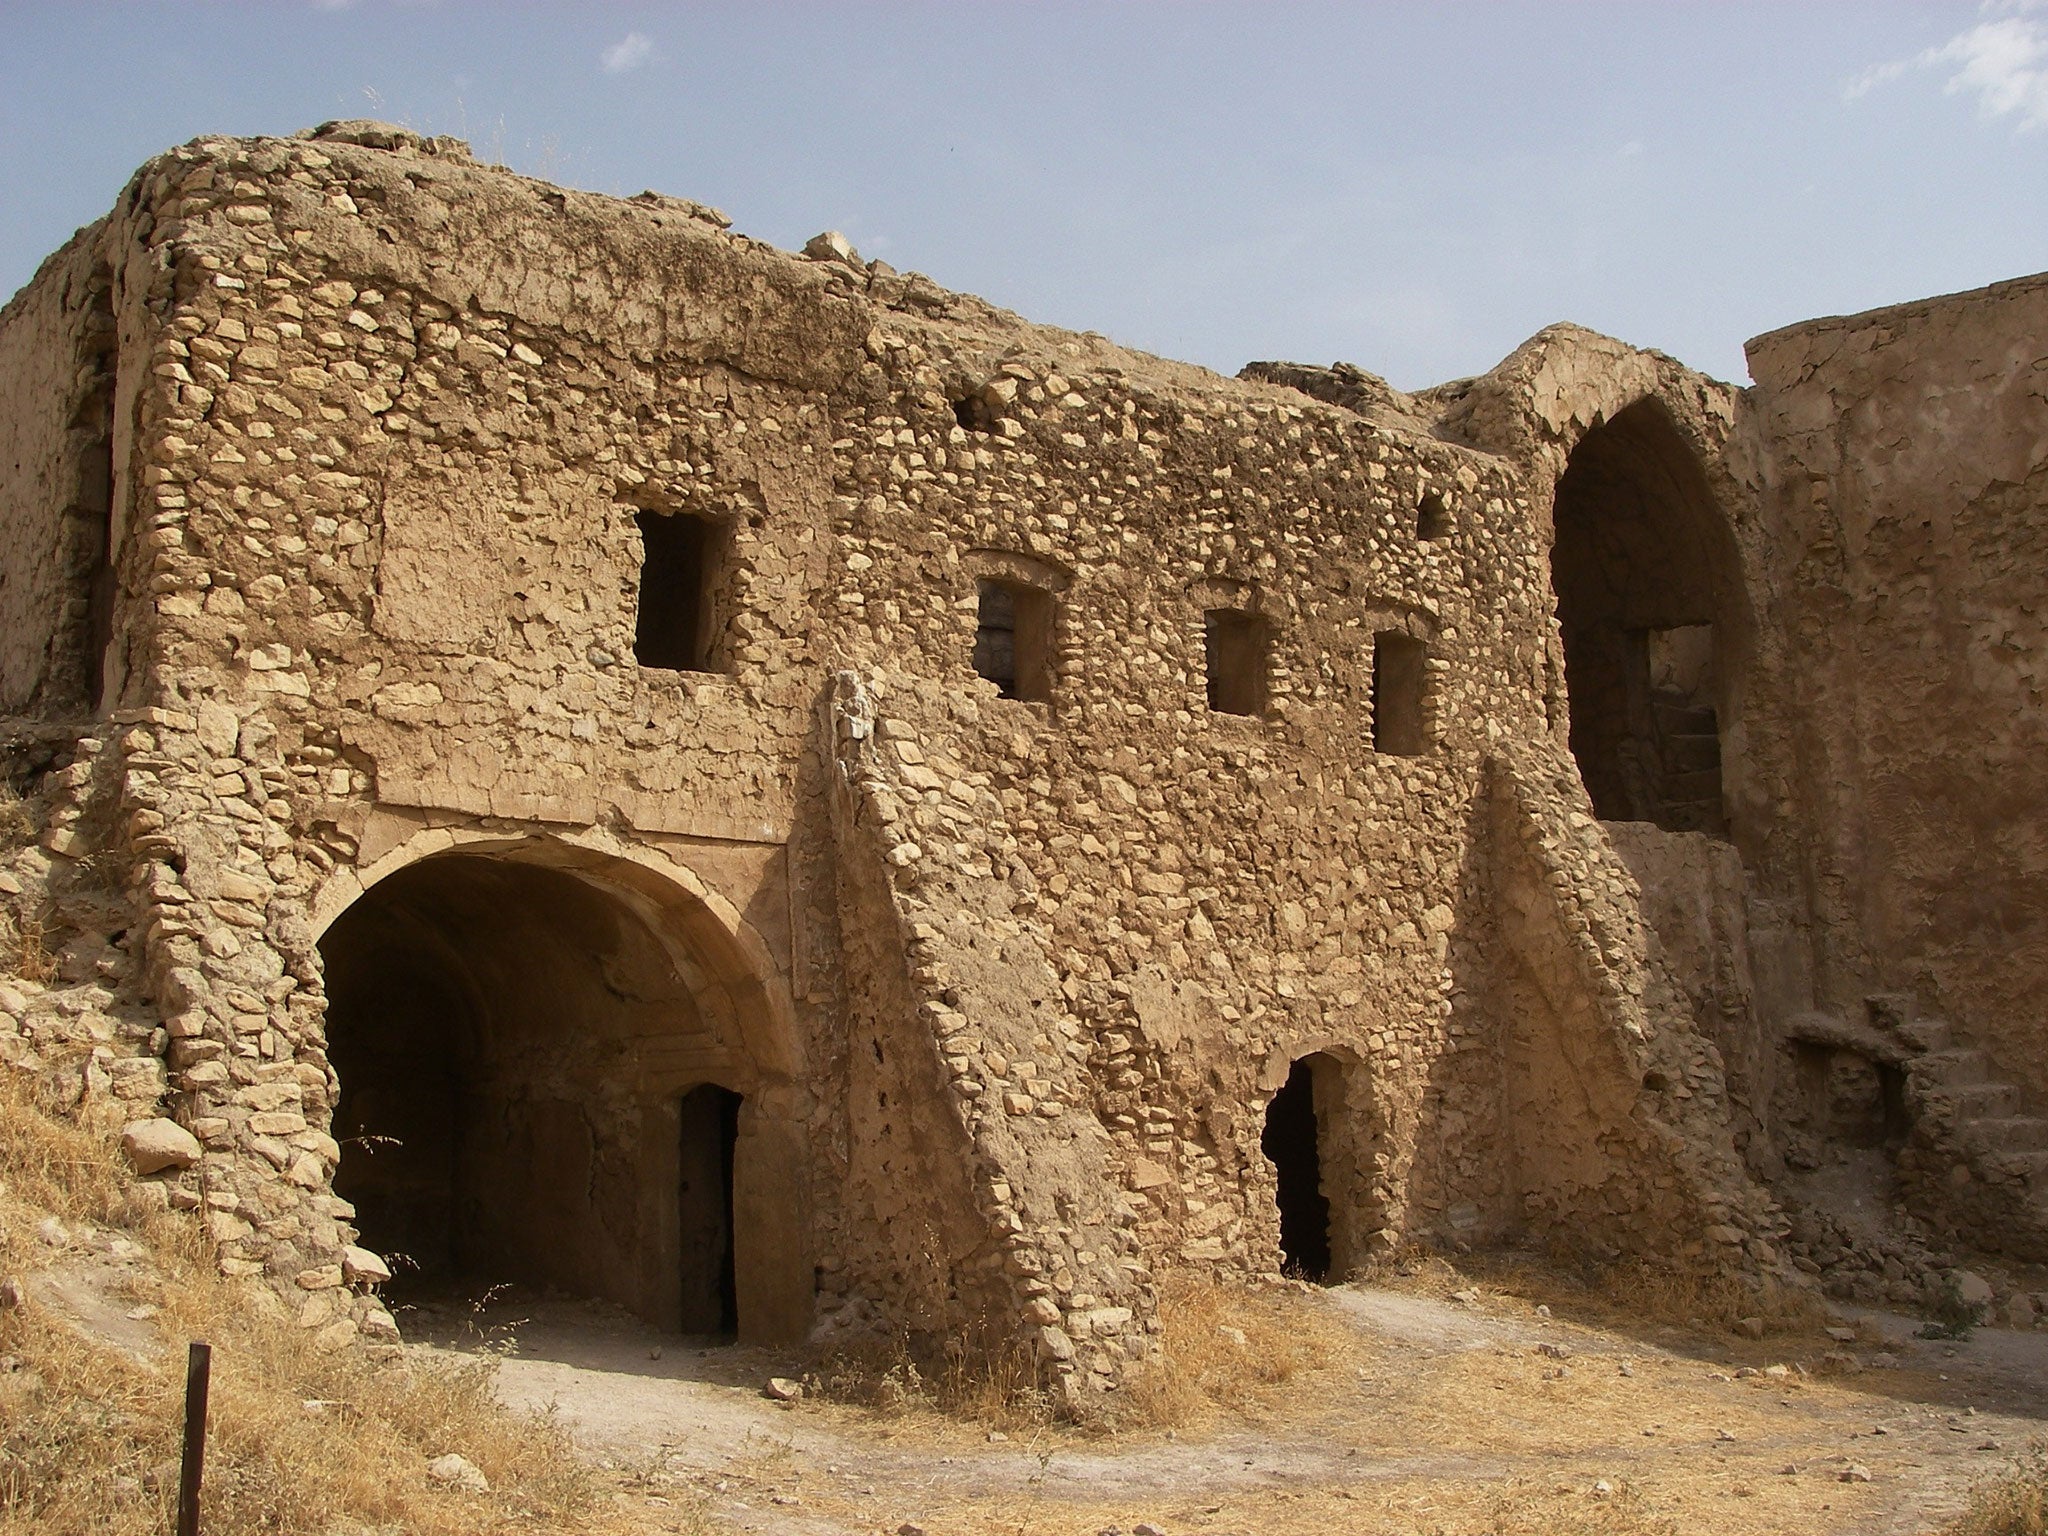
(57, 457)
(995, 758)
(1902, 457)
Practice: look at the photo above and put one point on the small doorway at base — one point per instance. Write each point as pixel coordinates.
(1293, 1142)
(708, 1125)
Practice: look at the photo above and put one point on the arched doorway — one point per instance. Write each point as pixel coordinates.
(544, 1083)
(1645, 574)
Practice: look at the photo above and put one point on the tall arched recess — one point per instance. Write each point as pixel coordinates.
(549, 1079)
(1649, 600)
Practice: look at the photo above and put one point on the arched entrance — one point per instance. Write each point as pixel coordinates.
(544, 1081)
(1308, 1139)
(1645, 573)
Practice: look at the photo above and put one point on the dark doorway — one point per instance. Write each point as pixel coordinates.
(490, 1022)
(1293, 1142)
(1646, 578)
(708, 1129)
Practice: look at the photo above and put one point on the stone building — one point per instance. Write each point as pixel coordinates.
(572, 746)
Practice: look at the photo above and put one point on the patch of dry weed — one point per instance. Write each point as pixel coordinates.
(2013, 1505)
(1228, 1350)
(300, 1439)
(994, 1385)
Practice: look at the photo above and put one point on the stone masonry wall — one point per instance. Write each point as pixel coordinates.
(1902, 463)
(1040, 964)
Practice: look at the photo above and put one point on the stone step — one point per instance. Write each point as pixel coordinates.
(2009, 1133)
(1985, 1101)
(1683, 719)
(1697, 816)
(1952, 1067)
(2030, 1165)
(1930, 1035)
(1683, 788)
(1692, 754)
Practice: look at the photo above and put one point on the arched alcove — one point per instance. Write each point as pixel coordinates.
(544, 1082)
(1648, 598)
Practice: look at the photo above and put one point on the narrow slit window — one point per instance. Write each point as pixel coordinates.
(1013, 639)
(680, 624)
(1399, 674)
(1236, 648)
(96, 509)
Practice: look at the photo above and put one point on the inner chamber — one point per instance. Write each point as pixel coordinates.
(1644, 568)
(506, 1036)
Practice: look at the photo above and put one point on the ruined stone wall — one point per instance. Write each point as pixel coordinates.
(1221, 894)
(1006, 983)
(1902, 460)
(56, 456)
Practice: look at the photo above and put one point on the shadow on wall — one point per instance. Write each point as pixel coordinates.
(1524, 1127)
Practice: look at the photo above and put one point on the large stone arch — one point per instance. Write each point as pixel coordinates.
(538, 1013)
(1597, 422)
(1653, 618)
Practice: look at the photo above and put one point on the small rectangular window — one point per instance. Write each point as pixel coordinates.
(1235, 646)
(1399, 676)
(681, 624)
(1013, 638)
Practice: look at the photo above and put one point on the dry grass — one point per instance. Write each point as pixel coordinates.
(28, 956)
(300, 1440)
(17, 817)
(2015, 1505)
(1532, 1514)
(994, 1386)
(1623, 1295)
(1228, 1351)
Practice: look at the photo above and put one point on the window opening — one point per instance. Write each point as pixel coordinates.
(680, 625)
(1236, 654)
(1643, 570)
(1013, 638)
(1432, 517)
(708, 1125)
(972, 412)
(1399, 679)
(1292, 1140)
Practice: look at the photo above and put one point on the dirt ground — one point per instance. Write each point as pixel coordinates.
(1434, 1415)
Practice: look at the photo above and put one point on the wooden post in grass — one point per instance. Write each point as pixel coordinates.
(198, 1372)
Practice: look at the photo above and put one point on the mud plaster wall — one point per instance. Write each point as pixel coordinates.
(1904, 473)
(1216, 891)
(53, 457)
(1693, 894)
(401, 413)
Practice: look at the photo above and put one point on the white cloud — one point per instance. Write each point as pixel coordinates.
(629, 52)
(2002, 61)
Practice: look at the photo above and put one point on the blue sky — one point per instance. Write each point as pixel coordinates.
(1413, 188)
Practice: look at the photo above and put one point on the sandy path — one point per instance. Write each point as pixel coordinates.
(1443, 1412)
